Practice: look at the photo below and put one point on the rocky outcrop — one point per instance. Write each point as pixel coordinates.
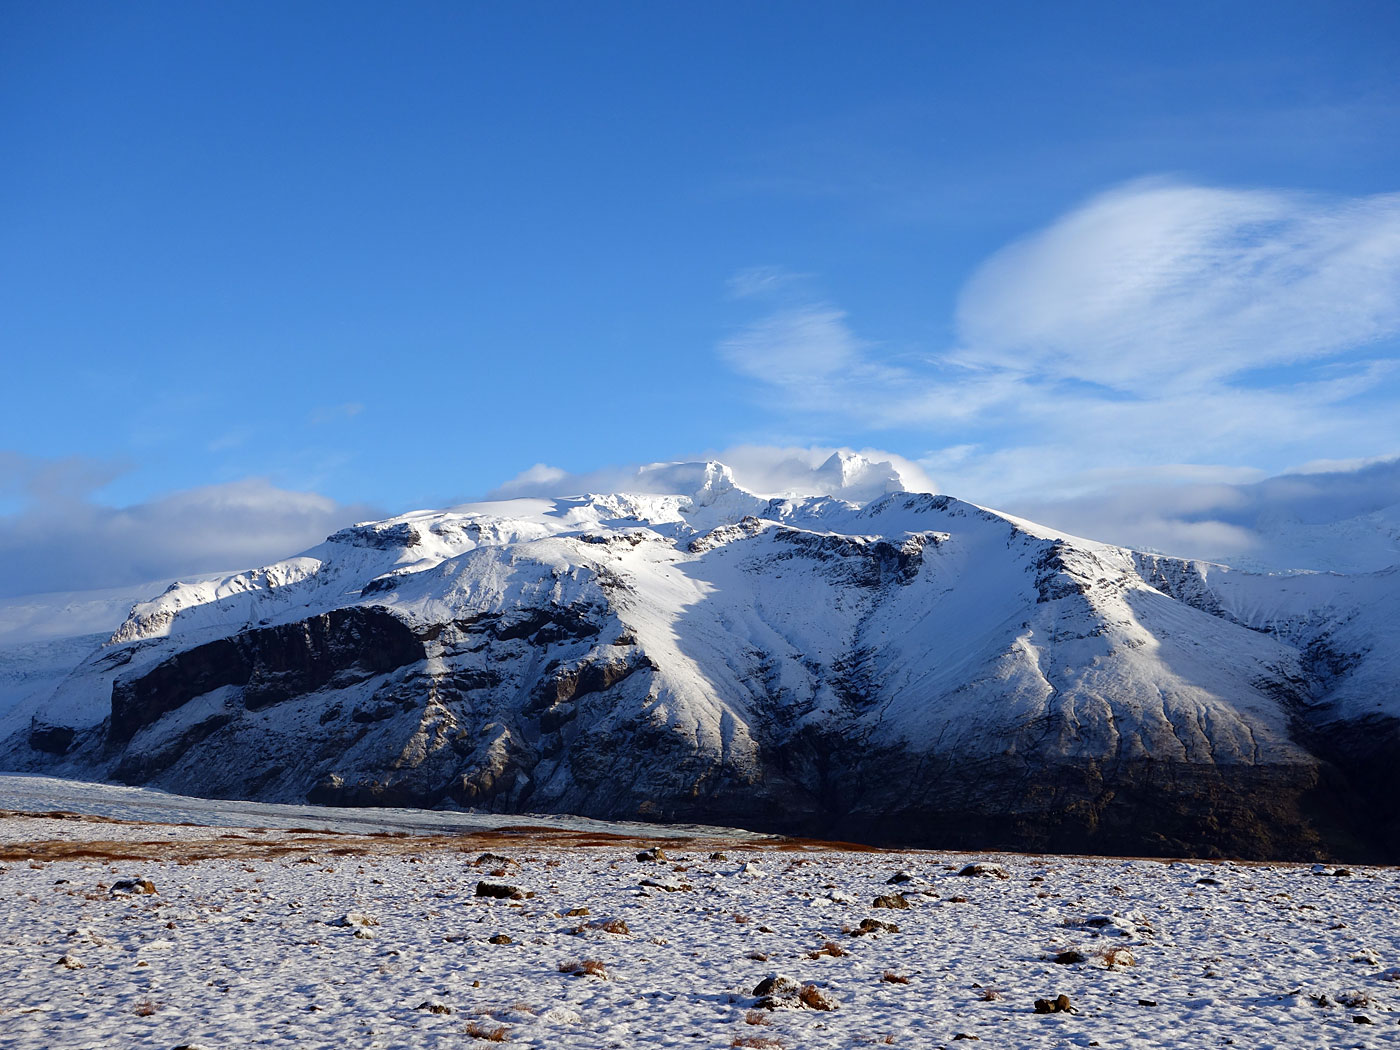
(270, 665)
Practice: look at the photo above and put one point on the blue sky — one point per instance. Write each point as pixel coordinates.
(322, 260)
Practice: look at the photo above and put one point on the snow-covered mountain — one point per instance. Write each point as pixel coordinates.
(909, 669)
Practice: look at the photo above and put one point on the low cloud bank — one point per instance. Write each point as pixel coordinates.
(1332, 517)
(60, 539)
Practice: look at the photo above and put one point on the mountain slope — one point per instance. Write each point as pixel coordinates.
(914, 669)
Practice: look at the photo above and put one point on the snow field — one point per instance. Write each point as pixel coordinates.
(383, 943)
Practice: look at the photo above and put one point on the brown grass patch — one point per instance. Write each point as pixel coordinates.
(584, 968)
(498, 1034)
(1117, 957)
(894, 978)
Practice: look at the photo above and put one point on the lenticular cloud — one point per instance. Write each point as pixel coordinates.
(1158, 282)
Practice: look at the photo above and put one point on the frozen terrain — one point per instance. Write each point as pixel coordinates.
(901, 668)
(286, 937)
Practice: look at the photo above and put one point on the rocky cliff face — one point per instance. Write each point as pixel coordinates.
(915, 670)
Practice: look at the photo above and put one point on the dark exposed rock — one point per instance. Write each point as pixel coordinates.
(136, 767)
(375, 713)
(53, 740)
(271, 664)
(378, 536)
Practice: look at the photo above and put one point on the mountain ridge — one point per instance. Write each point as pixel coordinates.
(907, 669)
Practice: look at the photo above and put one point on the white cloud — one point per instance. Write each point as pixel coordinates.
(1159, 323)
(1159, 283)
(764, 282)
(1345, 519)
(61, 539)
(796, 347)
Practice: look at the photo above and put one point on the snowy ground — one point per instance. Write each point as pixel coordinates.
(282, 936)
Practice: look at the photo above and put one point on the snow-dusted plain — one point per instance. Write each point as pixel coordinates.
(308, 938)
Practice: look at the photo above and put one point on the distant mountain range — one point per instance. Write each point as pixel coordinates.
(894, 668)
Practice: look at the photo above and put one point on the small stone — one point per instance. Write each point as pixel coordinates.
(574, 913)
(354, 918)
(494, 859)
(777, 984)
(132, 887)
(655, 855)
(873, 926)
(434, 1008)
(964, 1035)
(1362, 1019)
(812, 998)
(1206, 880)
(363, 934)
(1343, 873)
(1147, 1002)
(900, 876)
(1069, 957)
(72, 962)
(984, 871)
(777, 992)
(718, 856)
(500, 891)
(500, 938)
(895, 901)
